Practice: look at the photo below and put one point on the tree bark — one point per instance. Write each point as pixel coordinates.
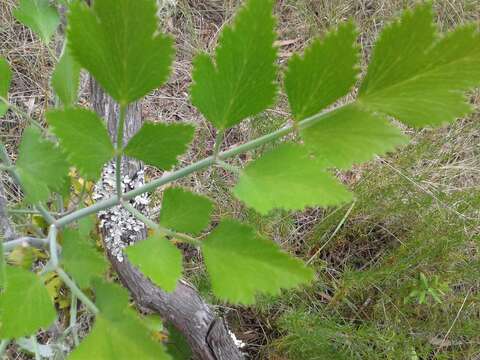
(206, 333)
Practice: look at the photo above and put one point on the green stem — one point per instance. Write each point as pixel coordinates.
(76, 291)
(73, 319)
(218, 143)
(23, 211)
(119, 148)
(35, 242)
(199, 165)
(52, 238)
(158, 228)
(45, 213)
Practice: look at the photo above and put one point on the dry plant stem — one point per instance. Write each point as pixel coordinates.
(339, 225)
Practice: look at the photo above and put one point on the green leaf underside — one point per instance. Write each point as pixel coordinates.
(117, 333)
(185, 211)
(66, 79)
(84, 137)
(418, 77)
(158, 259)
(41, 166)
(288, 178)
(39, 16)
(350, 135)
(80, 259)
(5, 78)
(326, 72)
(160, 144)
(241, 264)
(115, 42)
(25, 305)
(241, 82)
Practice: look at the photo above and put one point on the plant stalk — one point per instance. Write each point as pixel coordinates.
(199, 165)
(119, 148)
(52, 238)
(76, 291)
(158, 228)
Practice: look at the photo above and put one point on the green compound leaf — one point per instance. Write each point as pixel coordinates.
(80, 259)
(84, 137)
(66, 79)
(418, 77)
(160, 144)
(41, 166)
(5, 78)
(116, 41)
(117, 333)
(158, 259)
(350, 135)
(242, 264)
(39, 16)
(185, 211)
(327, 71)
(25, 305)
(241, 83)
(288, 178)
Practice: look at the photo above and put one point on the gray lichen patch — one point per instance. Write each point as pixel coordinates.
(120, 228)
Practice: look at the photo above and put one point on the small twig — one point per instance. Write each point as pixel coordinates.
(453, 324)
(339, 225)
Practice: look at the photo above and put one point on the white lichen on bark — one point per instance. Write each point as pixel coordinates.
(120, 228)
